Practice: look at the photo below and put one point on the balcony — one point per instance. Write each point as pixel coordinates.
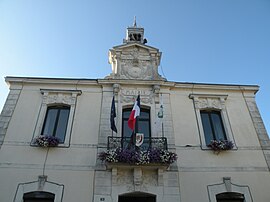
(128, 143)
(122, 150)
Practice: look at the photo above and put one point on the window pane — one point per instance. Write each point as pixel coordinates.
(127, 132)
(50, 120)
(207, 127)
(143, 127)
(126, 113)
(62, 124)
(144, 114)
(218, 126)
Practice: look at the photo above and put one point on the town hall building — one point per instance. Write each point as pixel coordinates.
(67, 140)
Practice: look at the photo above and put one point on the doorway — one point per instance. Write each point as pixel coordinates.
(137, 197)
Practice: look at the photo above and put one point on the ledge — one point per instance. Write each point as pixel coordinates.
(150, 166)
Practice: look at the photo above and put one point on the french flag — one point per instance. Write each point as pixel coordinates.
(134, 114)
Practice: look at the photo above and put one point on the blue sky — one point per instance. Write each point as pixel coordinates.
(205, 41)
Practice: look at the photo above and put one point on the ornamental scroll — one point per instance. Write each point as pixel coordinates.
(209, 101)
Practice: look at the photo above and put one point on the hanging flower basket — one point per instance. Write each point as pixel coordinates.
(46, 141)
(132, 156)
(220, 145)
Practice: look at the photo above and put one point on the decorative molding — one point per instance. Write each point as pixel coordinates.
(59, 96)
(130, 95)
(203, 101)
(134, 62)
(116, 88)
(227, 186)
(41, 181)
(40, 185)
(223, 169)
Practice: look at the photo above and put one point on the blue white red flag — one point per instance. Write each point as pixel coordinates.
(134, 114)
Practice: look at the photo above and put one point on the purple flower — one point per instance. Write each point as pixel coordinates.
(46, 141)
(133, 156)
(219, 145)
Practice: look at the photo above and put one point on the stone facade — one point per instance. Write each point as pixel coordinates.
(72, 171)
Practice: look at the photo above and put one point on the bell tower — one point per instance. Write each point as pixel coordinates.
(135, 34)
(134, 59)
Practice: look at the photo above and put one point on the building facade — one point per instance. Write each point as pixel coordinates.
(216, 131)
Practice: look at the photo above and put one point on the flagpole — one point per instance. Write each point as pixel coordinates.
(112, 130)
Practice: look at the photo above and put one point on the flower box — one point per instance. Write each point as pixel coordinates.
(220, 145)
(138, 157)
(46, 141)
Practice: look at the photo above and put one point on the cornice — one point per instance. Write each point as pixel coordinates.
(163, 83)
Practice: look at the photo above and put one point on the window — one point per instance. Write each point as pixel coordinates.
(230, 197)
(142, 125)
(212, 118)
(212, 126)
(56, 121)
(56, 114)
(38, 196)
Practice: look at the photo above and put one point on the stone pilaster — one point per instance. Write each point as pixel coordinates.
(259, 127)
(7, 112)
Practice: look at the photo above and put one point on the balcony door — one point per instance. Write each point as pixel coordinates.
(142, 126)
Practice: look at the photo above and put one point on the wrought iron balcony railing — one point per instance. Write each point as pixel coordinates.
(128, 142)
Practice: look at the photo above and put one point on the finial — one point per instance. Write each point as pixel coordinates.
(134, 23)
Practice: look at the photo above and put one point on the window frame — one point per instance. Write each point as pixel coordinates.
(210, 114)
(209, 102)
(59, 108)
(40, 185)
(56, 97)
(228, 186)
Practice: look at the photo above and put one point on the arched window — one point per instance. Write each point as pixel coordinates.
(230, 197)
(142, 124)
(56, 121)
(38, 196)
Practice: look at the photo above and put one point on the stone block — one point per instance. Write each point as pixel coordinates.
(255, 114)
(5, 119)
(171, 190)
(3, 131)
(102, 190)
(13, 97)
(14, 92)
(103, 182)
(102, 174)
(172, 198)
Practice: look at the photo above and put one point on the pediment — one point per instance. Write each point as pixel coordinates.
(135, 45)
(135, 60)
